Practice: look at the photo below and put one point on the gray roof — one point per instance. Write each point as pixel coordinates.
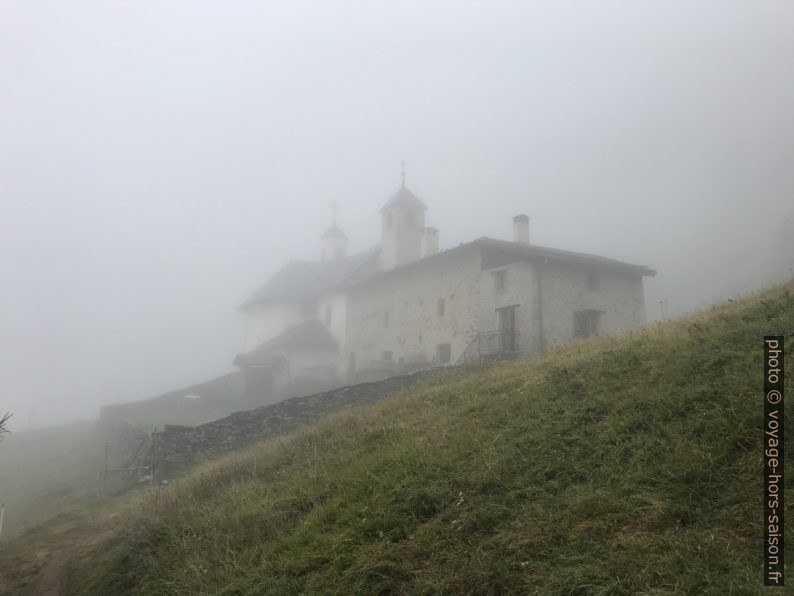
(306, 280)
(404, 197)
(308, 334)
(533, 251)
(509, 252)
(254, 358)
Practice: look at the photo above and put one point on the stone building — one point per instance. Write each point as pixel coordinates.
(404, 305)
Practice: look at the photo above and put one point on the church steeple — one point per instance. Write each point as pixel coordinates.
(404, 198)
(334, 240)
(402, 228)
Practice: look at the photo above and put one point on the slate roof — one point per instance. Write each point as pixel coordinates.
(307, 280)
(254, 358)
(308, 334)
(304, 280)
(513, 250)
(404, 197)
(534, 251)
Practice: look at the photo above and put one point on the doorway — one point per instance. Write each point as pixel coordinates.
(506, 319)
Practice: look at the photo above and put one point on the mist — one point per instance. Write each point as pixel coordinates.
(158, 162)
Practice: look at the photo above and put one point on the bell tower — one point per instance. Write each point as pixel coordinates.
(402, 228)
(334, 241)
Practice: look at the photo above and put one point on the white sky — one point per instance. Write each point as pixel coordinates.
(159, 160)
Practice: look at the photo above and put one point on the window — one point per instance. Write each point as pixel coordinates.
(387, 356)
(443, 353)
(410, 220)
(386, 319)
(592, 281)
(440, 307)
(585, 323)
(328, 313)
(500, 280)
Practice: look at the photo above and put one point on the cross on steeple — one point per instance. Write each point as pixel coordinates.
(403, 164)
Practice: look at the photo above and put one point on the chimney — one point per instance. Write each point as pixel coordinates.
(521, 229)
(429, 242)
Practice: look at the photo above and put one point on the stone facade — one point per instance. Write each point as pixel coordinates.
(401, 307)
(618, 297)
(404, 305)
(404, 315)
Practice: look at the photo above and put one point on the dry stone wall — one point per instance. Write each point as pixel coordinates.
(178, 446)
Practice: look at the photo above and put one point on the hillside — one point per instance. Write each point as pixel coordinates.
(52, 471)
(610, 467)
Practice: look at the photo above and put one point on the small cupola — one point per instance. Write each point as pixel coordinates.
(334, 241)
(334, 244)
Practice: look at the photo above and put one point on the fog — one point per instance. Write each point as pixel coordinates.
(159, 161)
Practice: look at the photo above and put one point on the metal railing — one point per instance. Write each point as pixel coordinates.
(488, 343)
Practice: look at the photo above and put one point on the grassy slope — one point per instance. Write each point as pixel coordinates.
(49, 482)
(48, 472)
(614, 466)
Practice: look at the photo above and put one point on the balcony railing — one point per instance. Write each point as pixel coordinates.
(488, 343)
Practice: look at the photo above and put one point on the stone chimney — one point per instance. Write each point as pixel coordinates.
(429, 242)
(521, 229)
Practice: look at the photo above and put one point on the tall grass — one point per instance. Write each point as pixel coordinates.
(614, 466)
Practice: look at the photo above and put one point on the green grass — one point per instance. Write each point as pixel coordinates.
(49, 483)
(615, 466)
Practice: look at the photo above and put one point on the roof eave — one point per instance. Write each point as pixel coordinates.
(594, 260)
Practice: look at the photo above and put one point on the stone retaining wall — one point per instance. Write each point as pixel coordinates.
(179, 446)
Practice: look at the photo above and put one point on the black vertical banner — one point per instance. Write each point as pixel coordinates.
(773, 460)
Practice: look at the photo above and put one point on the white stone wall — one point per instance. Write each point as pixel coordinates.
(402, 229)
(267, 320)
(338, 325)
(306, 364)
(520, 291)
(410, 296)
(314, 364)
(565, 290)
(551, 290)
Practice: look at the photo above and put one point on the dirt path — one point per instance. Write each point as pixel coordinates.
(52, 576)
(38, 562)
